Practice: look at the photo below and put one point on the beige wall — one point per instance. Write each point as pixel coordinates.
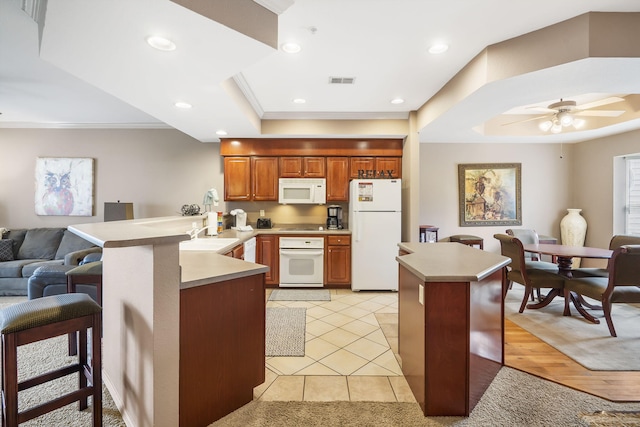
(160, 170)
(157, 170)
(546, 179)
(593, 182)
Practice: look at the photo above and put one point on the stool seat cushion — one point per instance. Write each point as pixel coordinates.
(92, 268)
(465, 237)
(46, 310)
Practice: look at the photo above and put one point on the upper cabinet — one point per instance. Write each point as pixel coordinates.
(302, 167)
(337, 179)
(237, 178)
(375, 167)
(251, 178)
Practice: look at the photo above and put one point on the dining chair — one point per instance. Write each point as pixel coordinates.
(530, 274)
(616, 242)
(527, 236)
(622, 284)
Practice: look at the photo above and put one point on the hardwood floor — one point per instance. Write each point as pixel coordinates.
(527, 353)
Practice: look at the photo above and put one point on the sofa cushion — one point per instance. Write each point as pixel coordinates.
(6, 250)
(70, 243)
(14, 268)
(40, 243)
(18, 237)
(28, 269)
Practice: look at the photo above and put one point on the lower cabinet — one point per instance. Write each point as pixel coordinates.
(237, 252)
(337, 264)
(267, 253)
(222, 348)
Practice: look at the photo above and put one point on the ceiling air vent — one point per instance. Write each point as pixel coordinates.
(342, 80)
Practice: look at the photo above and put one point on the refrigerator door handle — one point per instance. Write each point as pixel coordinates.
(356, 227)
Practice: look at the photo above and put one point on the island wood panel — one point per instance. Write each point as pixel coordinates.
(452, 346)
(222, 348)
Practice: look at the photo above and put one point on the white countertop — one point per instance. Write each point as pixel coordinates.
(198, 267)
(449, 262)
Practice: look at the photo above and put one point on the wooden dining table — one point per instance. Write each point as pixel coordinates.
(564, 255)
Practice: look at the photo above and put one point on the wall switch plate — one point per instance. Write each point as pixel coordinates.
(261, 212)
(421, 294)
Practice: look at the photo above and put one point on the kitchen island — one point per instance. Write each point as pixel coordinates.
(450, 324)
(183, 338)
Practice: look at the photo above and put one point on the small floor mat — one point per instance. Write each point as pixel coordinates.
(300, 295)
(285, 331)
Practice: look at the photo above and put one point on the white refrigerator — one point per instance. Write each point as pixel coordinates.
(375, 221)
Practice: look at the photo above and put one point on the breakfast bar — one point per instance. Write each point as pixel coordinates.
(450, 324)
(183, 331)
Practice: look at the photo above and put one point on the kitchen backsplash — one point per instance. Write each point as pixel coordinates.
(286, 214)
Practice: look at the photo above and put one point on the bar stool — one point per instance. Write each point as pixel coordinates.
(89, 274)
(467, 239)
(40, 319)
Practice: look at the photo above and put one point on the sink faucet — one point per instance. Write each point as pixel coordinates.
(196, 231)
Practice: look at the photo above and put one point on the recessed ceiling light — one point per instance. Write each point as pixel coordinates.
(299, 101)
(397, 101)
(438, 48)
(221, 132)
(182, 104)
(161, 43)
(291, 47)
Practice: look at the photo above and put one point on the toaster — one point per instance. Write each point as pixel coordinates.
(264, 223)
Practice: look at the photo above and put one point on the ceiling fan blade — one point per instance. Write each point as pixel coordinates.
(541, 109)
(600, 103)
(599, 113)
(528, 120)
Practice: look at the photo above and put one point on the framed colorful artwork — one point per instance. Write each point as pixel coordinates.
(489, 194)
(64, 186)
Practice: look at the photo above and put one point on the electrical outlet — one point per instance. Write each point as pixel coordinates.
(261, 212)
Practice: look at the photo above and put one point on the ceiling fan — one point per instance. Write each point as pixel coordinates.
(565, 113)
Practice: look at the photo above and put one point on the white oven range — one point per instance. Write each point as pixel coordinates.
(301, 262)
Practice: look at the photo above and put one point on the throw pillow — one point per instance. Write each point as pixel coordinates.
(6, 250)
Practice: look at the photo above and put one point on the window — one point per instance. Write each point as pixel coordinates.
(632, 206)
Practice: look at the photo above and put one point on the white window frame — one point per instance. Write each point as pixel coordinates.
(632, 195)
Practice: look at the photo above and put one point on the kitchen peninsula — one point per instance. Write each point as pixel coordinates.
(450, 324)
(183, 331)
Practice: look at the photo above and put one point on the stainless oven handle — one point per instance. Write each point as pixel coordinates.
(300, 252)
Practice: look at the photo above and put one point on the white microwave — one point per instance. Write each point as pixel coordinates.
(302, 191)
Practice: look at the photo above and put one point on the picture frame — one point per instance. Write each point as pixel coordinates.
(64, 186)
(490, 194)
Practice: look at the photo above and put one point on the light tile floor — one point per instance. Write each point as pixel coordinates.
(350, 352)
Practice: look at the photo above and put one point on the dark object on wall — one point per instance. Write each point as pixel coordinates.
(117, 211)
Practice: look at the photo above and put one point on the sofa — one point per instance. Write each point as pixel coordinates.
(22, 251)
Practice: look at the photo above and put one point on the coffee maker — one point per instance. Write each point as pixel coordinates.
(334, 217)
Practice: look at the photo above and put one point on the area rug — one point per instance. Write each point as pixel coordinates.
(300, 295)
(285, 331)
(588, 344)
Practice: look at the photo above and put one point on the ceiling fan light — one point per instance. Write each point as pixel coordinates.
(565, 118)
(557, 127)
(545, 126)
(579, 123)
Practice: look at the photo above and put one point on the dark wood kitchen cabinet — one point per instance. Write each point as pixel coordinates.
(264, 178)
(267, 253)
(337, 179)
(251, 178)
(337, 269)
(237, 178)
(393, 164)
(359, 165)
(302, 167)
(222, 348)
